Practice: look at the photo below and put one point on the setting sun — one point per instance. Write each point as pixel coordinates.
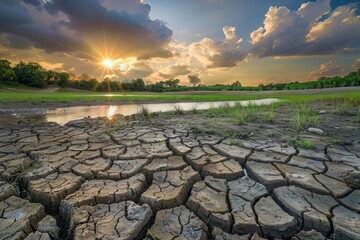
(108, 63)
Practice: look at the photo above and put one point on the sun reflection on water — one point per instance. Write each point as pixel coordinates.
(111, 112)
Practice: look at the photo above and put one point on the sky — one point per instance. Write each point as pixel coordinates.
(221, 41)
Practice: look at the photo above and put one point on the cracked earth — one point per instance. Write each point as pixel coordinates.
(82, 181)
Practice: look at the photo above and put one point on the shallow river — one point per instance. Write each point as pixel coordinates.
(64, 115)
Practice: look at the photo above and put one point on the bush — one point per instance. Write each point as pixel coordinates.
(31, 74)
(6, 72)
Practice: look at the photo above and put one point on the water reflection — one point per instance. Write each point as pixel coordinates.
(64, 115)
(111, 112)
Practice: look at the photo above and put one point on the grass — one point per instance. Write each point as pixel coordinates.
(343, 105)
(144, 112)
(306, 144)
(150, 235)
(67, 97)
(304, 118)
(235, 142)
(122, 97)
(346, 101)
(179, 110)
(15, 87)
(33, 166)
(194, 110)
(245, 114)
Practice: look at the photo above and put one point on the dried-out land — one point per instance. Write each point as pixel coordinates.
(290, 170)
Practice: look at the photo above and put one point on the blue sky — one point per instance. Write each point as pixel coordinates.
(221, 41)
(193, 20)
(187, 18)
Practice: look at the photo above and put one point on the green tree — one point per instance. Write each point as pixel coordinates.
(194, 80)
(31, 74)
(6, 72)
(172, 83)
(51, 77)
(84, 76)
(63, 79)
(236, 84)
(138, 84)
(156, 87)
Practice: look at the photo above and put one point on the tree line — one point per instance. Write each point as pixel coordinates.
(351, 79)
(31, 74)
(34, 75)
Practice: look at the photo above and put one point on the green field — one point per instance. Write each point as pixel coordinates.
(29, 96)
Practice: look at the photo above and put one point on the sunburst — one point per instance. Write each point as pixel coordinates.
(108, 63)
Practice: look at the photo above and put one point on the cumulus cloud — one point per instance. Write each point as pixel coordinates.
(140, 69)
(13, 41)
(112, 77)
(35, 3)
(175, 71)
(218, 54)
(356, 64)
(130, 6)
(87, 26)
(230, 32)
(328, 69)
(52, 66)
(313, 29)
(12, 13)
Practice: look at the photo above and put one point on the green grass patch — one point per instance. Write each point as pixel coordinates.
(304, 118)
(343, 105)
(66, 95)
(114, 97)
(306, 144)
(15, 87)
(236, 142)
(245, 114)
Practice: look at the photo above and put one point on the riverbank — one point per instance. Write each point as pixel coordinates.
(45, 100)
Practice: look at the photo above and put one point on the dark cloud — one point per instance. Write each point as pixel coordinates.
(313, 29)
(138, 70)
(328, 69)
(130, 6)
(15, 42)
(13, 14)
(228, 52)
(21, 24)
(175, 71)
(87, 26)
(219, 54)
(227, 59)
(35, 3)
(132, 34)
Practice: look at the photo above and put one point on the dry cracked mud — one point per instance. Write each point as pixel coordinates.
(88, 180)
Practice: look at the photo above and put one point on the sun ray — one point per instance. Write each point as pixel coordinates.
(108, 63)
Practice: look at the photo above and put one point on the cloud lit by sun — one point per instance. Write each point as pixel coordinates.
(122, 67)
(112, 66)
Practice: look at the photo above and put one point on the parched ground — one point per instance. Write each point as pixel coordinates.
(191, 176)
